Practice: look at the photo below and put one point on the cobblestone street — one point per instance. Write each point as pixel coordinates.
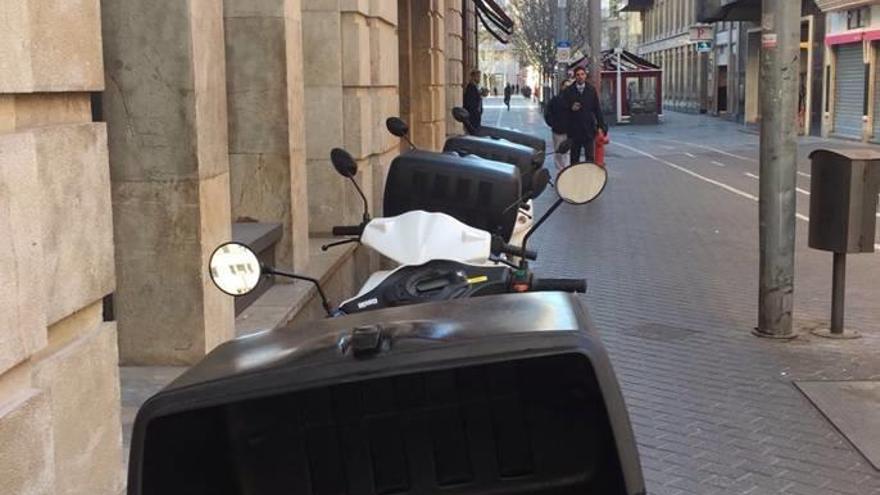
(671, 254)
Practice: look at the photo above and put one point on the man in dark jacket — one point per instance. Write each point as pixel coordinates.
(556, 116)
(507, 90)
(473, 101)
(584, 116)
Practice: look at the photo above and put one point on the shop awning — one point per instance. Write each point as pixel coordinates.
(495, 20)
(728, 10)
(832, 5)
(636, 5)
(629, 62)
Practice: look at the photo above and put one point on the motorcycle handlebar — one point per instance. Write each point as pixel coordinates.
(348, 230)
(578, 285)
(519, 252)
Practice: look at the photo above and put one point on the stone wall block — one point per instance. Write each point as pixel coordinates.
(357, 108)
(355, 50)
(329, 198)
(23, 299)
(385, 103)
(321, 5)
(65, 39)
(384, 61)
(77, 223)
(256, 85)
(150, 98)
(160, 282)
(218, 317)
(322, 36)
(16, 71)
(253, 8)
(27, 466)
(209, 69)
(82, 383)
(260, 189)
(385, 10)
(355, 6)
(325, 123)
(42, 109)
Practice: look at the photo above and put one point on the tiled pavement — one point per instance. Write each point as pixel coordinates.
(672, 266)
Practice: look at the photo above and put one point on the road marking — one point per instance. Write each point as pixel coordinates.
(802, 191)
(714, 182)
(712, 148)
(689, 172)
(718, 164)
(804, 175)
(690, 154)
(753, 176)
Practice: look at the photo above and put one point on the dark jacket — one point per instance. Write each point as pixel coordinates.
(556, 115)
(582, 123)
(473, 103)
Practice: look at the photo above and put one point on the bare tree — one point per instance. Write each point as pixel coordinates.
(535, 33)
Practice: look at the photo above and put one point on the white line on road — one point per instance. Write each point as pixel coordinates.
(690, 154)
(718, 164)
(802, 191)
(753, 176)
(716, 150)
(710, 181)
(804, 175)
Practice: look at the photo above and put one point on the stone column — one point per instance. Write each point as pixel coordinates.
(59, 383)
(428, 73)
(267, 162)
(455, 75)
(166, 110)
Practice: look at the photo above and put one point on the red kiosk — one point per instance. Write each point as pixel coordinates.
(632, 87)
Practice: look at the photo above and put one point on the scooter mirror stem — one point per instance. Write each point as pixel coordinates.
(523, 263)
(324, 302)
(366, 215)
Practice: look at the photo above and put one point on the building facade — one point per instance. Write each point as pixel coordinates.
(135, 137)
(620, 29)
(850, 93)
(666, 43)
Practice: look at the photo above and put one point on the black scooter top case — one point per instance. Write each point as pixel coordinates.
(525, 139)
(525, 158)
(507, 394)
(478, 192)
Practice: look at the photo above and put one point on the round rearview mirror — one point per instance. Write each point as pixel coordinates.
(235, 269)
(539, 182)
(343, 162)
(564, 146)
(397, 126)
(581, 183)
(460, 114)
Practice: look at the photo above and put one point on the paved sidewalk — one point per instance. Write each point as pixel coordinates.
(672, 265)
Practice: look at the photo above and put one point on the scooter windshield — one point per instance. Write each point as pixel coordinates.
(416, 237)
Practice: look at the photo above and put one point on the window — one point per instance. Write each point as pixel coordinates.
(858, 18)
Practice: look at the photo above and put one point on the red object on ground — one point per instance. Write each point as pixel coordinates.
(601, 141)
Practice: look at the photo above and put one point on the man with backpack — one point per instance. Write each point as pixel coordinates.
(556, 117)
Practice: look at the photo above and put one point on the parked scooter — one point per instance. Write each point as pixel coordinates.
(534, 178)
(439, 257)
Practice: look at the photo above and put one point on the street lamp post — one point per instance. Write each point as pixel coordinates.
(780, 51)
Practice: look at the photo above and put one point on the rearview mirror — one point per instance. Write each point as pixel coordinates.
(397, 126)
(581, 183)
(235, 269)
(461, 115)
(343, 162)
(564, 146)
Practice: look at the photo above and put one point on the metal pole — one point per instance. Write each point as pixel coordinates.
(596, 44)
(561, 35)
(838, 291)
(780, 50)
(619, 88)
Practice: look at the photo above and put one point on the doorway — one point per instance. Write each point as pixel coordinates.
(722, 89)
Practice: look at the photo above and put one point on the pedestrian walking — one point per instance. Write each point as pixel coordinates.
(556, 117)
(584, 116)
(473, 102)
(507, 91)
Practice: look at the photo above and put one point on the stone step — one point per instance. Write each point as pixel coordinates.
(261, 238)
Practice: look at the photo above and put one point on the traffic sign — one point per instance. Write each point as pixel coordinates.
(701, 33)
(704, 46)
(563, 52)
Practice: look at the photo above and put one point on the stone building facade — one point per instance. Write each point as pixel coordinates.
(134, 137)
(666, 42)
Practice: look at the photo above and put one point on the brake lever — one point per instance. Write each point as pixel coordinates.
(325, 247)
